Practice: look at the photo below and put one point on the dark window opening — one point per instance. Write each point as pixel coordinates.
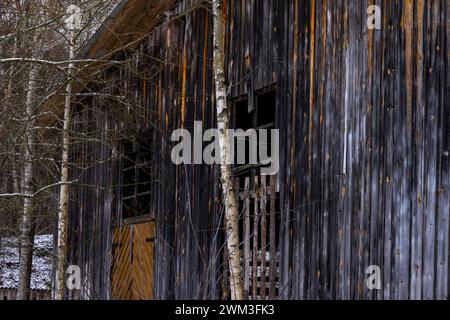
(243, 119)
(262, 117)
(259, 235)
(266, 110)
(137, 173)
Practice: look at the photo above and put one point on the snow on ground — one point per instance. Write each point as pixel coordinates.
(42, 263)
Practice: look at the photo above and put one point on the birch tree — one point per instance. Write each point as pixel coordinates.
(72, 24)
(26, 247)
(35, 72)
(226, 176)
(26, 237)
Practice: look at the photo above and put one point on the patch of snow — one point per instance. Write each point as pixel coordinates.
(41, 275)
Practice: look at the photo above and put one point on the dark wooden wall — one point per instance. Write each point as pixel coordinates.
(92, 203)
(364, 139)
(364, 128)
(173, 88)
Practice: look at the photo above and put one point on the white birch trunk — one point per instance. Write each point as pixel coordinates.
(228, 187)
(26, 237)
(64, 191)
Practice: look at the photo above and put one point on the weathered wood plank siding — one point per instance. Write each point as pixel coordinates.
(92, 205)
(364, 144)
(173, 90)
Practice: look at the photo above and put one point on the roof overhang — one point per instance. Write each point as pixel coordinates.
(125, 28)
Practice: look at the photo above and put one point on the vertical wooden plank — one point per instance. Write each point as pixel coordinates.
(387, 125)
(443, 238)
(272, 241)
(404, 123)
(263, 237)
(247, 236)
(431, 139)
(255, 259)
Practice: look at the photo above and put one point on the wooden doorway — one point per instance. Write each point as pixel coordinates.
(133, 249)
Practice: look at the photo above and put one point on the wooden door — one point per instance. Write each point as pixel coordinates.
(133, 249)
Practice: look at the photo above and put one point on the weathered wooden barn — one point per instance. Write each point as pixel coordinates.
(364, 171)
